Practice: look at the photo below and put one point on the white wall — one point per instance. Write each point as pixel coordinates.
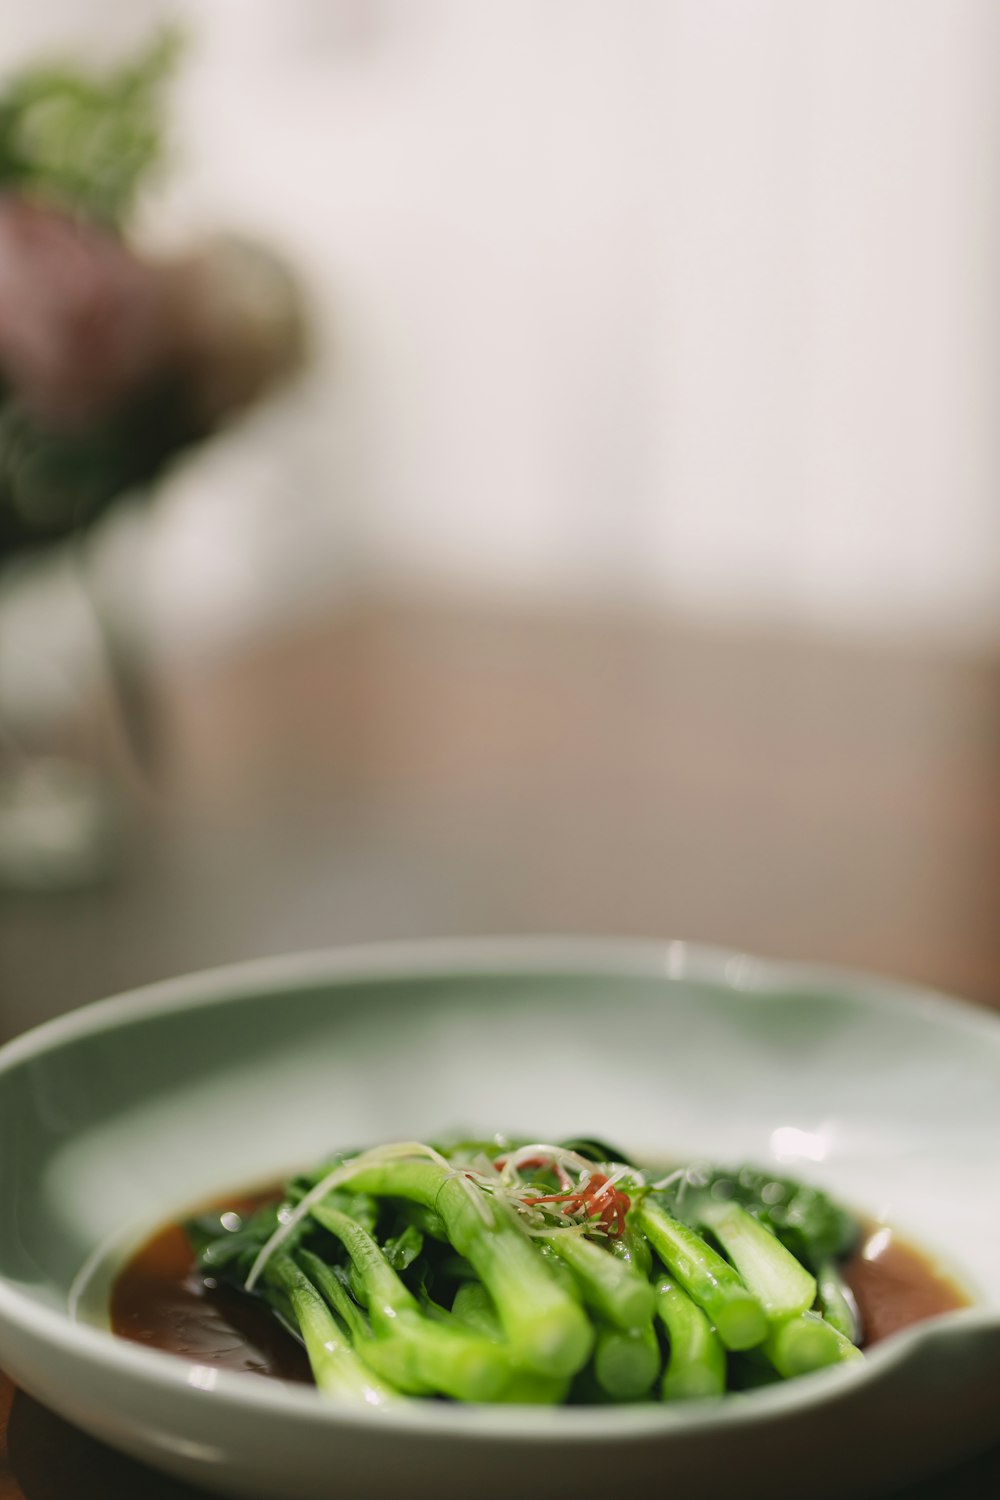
(693, 302)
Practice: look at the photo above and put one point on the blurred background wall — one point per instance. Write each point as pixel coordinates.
(687, 304)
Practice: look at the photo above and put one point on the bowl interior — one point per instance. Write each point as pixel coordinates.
(113, 1121)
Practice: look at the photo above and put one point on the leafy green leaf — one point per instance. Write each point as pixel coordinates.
(401, 1250)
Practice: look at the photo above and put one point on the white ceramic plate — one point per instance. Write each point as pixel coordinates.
(118, 1117)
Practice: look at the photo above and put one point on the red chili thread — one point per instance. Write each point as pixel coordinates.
(609, 1215)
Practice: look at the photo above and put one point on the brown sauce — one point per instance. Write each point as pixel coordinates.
(159, 1299)
(895, 1285)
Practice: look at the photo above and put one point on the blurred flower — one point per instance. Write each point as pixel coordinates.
(83, 321)
(111, 362)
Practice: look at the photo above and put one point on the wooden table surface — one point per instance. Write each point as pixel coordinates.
(402, 771)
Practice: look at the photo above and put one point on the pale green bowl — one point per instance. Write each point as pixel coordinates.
(116, 1118)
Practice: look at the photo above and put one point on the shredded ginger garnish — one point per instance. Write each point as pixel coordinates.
(396, 1151)
(672, 1177)
(595, 1205)
(555, 1154)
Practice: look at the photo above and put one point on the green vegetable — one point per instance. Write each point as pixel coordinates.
(696, 1361)
(709, 1280)
(336, 1367)
(626, 1363)
(548, 1331)
(613, 1288)
(781, 1285)
(449, 1360)
(473, 1306)
(537, 1274)
(836, 1301)
(804, 1343)
(633, 1247)
(806, 1220)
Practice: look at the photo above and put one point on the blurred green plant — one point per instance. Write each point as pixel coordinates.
(87, 142)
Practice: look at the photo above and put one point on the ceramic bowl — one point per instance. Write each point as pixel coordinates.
(117, 1118)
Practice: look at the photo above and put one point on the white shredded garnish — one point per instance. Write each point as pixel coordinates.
(669, 1180)
(551, 1153)
(556, 1231)
(581, 1165)
(544, 1215)
(396, 1151)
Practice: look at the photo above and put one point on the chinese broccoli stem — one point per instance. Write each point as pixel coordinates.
(696, 1361)
(386, 1355)
(804, 1343)
(450, 1360)
(709, 1280)
(781, 1285)
(799, 1340)
(547, 1328)
(473, 1306)
(836, 1301)
(337, 1368)
(633, 1247)
(390, 1357)
(626, 1363)
(328, 1283)
(612, 1287)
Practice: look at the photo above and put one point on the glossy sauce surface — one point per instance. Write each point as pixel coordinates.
(160, 1300)
(895, 1285)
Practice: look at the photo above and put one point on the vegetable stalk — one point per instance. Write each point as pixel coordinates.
(709, 1280)
(337, 1368)
(451, 1360)
(547, 1329)
(696, 1362)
